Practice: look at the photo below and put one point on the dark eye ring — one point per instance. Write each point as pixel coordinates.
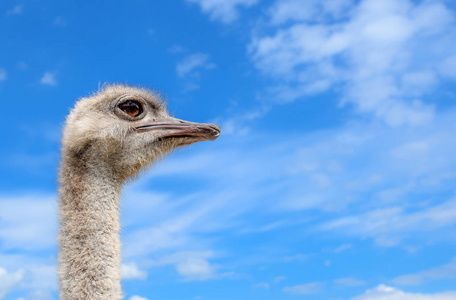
(131, 107)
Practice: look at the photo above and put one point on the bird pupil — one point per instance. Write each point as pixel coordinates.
(132, 108)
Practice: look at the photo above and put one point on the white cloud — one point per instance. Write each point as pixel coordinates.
(49, 78)
(261, 285)
(383, 292)
(447, 271)
(136, 297)
(8, 280)
(39, 274)
(225, 11)
(28, 227)
(237, 124)
(16, 10)
(190, 265)
(190, 69)
(28, 223)
(129, 271)
(370, 54)
(292, 10)
(330, 172)
(387, 225)
(155, 238)
(296, 258)
(448, 67)
(192, 64)
(3, 74)
(349, 282)
(304, 289)
(195, 269)
(176, 49)
(342, 248)
(358, 162)
(173, 222)
(27, 161)
(269, 227)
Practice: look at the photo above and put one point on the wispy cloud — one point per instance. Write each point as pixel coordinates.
(261, 285)
(3, 74)
(349, 282)
(383, 292)
(239, 123)
(130, 271)
(171, 229)
(34, 274)
(16, 10)
(33, 228)
(342, 248)
(136, 297)
(192, 64)
(28, 226)
(8, 280)
(304, 289)
(447, 271)
(246, 202)
(448, 67)
(176, 49)
(49, 78)
(291, 10)
(368, 55)
(329, 173)
(297, 258)
(190, 69)
(196, 269)
(389, 225)
(225, 11)
(190, 265)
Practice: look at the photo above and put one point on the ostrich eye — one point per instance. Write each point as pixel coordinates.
(131, 107)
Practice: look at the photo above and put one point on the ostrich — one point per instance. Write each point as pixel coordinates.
(108, 138)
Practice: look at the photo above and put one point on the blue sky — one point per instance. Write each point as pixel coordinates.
(335, 174)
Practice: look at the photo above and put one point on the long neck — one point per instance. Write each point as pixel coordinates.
(89, 257)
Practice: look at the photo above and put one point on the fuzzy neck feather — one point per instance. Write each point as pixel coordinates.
(89, 258)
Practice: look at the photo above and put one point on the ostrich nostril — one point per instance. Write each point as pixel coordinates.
(216, 128)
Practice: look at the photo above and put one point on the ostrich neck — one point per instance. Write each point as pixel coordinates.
(89, 257)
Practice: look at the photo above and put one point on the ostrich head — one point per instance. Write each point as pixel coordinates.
(123, 129)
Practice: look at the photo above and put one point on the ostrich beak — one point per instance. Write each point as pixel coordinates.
(180, 128)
